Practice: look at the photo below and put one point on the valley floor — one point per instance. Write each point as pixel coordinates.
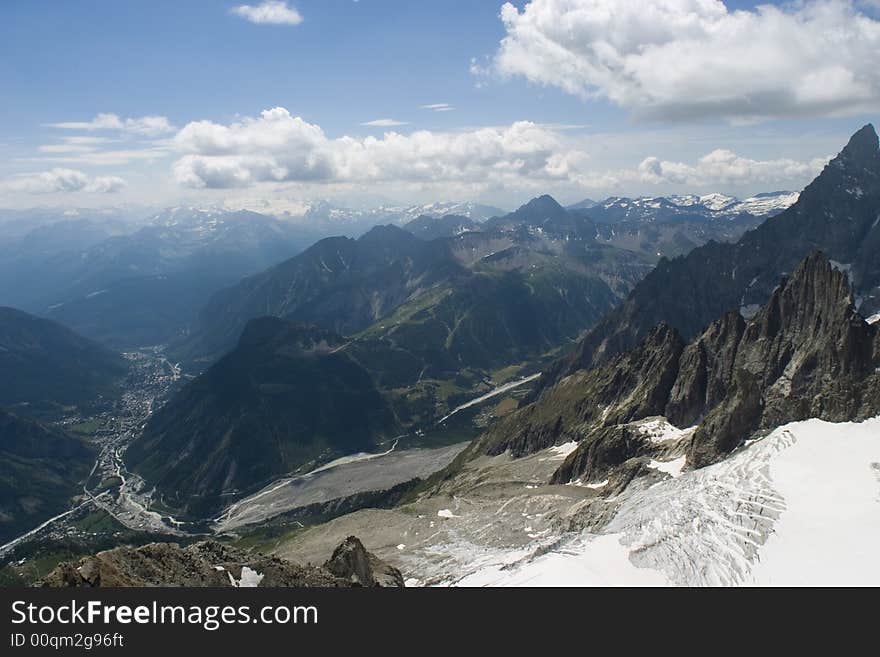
(345, 476)
(798, 507)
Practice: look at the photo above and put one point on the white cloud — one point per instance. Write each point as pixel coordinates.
(269, 12)
(63, 180)
(278, 147)
(145, 126)
(438, 107)
(73, 145)
(725, 168)
(384, 123)
(106, 185)
(84, 156)
(680, 59)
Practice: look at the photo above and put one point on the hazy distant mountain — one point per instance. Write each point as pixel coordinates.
(142, 286)
(43, 363)
(339, 283)
(709, 207)
(586, 204)
(348, 285)
(41, 469)
(428, 228)
(287, 395)
(675, 225)
(325, 219)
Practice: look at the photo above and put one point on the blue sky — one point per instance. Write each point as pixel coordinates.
(540, 98)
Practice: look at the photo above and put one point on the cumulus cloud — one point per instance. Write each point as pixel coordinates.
(63, 180)
(279, 147)
(681, 59)
(106, 185)
(145, 126)
(723, 167)
(270, 12)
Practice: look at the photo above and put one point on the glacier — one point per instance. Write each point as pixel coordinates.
(799, 507)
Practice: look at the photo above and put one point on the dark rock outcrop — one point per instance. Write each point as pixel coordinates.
(807, 353)
(210, 563)
(632, 386)
(352, 562)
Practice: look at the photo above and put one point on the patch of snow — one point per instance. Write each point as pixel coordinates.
(717, 202)
(763, 204)
(446, 513)
(249, 578)
(660, 430)
(561, 451)
(873, 319)
(749, 310)
(673, 468)
(401, 546)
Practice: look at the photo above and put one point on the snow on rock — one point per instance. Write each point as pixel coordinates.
(799, 507)
(561, 451)
(660, 430)
(764, 204)
(873, 319)
(446, 513)
(250, 578)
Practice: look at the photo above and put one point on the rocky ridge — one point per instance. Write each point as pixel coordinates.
(806, 353)
(213, 564)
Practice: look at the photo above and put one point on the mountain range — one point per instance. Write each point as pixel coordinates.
(836, 213)
(672, 333)
(805, 354)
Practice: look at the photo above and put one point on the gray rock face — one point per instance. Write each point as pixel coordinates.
(352, 562)
(807, 353)
(210, 563)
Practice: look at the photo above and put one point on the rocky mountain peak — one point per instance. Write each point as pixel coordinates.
(352, 563)
(815, 299)
(862, 146)
(387, 235)
(539, 209)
